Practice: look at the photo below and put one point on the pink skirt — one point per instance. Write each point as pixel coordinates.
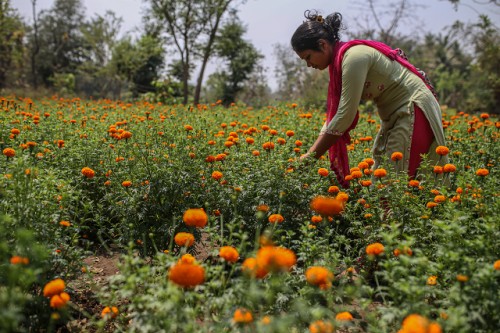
(422, 139)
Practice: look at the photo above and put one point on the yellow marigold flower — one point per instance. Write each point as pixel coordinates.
(379, 173)
(320, 326)
(496, 265)
(187, 275)
(346, 316)
(126, 183)
(482, 172)
(88, 172)
(432, 280)
(276, 218)
(442, 150)
(59, 301)
(323, 172)
(17, 260)
(9, 152)
(195, 217)
(397, 156)
(242, 316)
(319, 276)
(375, 249)
(184, 239)
(54, 287)
(229, 253)
(109, 312)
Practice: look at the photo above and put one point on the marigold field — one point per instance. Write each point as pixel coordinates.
(208, 222)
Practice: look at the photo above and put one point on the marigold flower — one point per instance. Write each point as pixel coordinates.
(462, 278)
(59, 301)
(255, 153)
(320, 326)
(17, 260)
(366, 183)
(438, 169)
(290, 133)
(439, 198)
(188, 127)
(356, 174)
(126, 135)
(65, 223)
(333, 189)
(272, 258)
(110, 312)
(431, 204)
(9, 152)
(496, 265)
(88, 172)
(449, 168)
(316, 219)
(262, 208)
(298, 143)
(379, 173)
(276, 218)
(432, 280)
(250, 140)
(415, 323)
(187, 259)
(363, 165)
(217, 175)
(482, 172)
(268, 145)
(323, 172)
(195, 217)
(327, 206)
(342, 196)
(229, 253)
(319, 276)
(184, 239)
(242, 316)
(252, 268)
(345, 316)
(414, 183)
(397, 156)
(375, 249)
(187, 275)
(126, 183)
(406, 250)
(442, 150)
(54, 287)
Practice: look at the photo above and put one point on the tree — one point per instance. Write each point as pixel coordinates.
(192, 25)
(240, 58)
(11, 34)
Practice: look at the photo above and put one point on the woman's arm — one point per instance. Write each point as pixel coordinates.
(321, 145)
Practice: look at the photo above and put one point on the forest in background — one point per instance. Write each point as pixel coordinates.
(63, 51)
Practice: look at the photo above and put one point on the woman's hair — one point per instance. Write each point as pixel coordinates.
(308, 34)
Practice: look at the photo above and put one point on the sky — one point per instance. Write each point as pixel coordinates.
(270, 22)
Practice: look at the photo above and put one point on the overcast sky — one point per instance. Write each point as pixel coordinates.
(274, 21)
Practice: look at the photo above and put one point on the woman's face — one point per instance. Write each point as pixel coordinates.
(318, 59)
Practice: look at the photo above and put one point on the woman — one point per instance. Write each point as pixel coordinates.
(362, 70)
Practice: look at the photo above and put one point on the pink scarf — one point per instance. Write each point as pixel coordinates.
(339, 160)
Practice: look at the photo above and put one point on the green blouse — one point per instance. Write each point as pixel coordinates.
(368, 74)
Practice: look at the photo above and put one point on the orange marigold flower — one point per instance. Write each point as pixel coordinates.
(316, 219)
(432, 280)
(484, 116)
(333, 189)
(319, 276)
(320, 326)
(54, 287)
(88, 172)
(370, 161)
(262, 208)
(415, 323)
(482, 172)
(229, 253)
(272, 258)
(186, 275)
(439, 198)
(406, 250)
(268, 145)
(356, 174)
(109, 312)
(431, 204)
(438, 169)
(188, 127)
(449, 168)
(379, 173)
(195, 217)
(242, 316)
(126, 135)
(462, 278)
(17, 260)
(342, 196)
(496, 265)
(255, 153)
(442, 150)
(65, 223)
(217, 175)
(346, 316)
(363, 165)
(290, 133)
(366, 183)
(414, 183)
(323, 172)
(59, 301)
(251, 267)
(281, 141)
(327, 206)
(298, 143)
(250, 140)
(276, 218)
(397, 156)
(9, 152)
(375, 249)
(126, 183)
(184, 239)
